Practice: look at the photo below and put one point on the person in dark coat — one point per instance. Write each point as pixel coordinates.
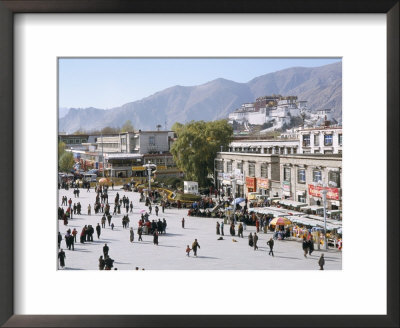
(218, 228)
(59, 239)
(164, 225)
(131, 235)
(109, 219)
(183, 222)
(108, 262)
(155, 237)
(102, 263)
(71, 242)
(61, 256)
(140, 231)
(321, 262)
(98, 230)
(195, 245)
(105, 250)
(222, 228)
(305, 246)
(255, 239)
(310, 245)
(270, 243)
(240, 230)
(251, 240)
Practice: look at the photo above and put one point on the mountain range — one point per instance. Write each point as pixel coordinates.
(320, 86)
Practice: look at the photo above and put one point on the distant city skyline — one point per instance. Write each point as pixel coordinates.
(111, 82)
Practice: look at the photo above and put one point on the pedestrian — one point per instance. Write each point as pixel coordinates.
(310, 245)
(98, 230)
(103, 221)
(74, 233)
(183, 222)
(140, 231)
(188, 249)
(270, 243)
(89, 209)
(59, 239)
(108, 262)
(305, 246)
(102, 263)
(112, 226)
(105, 250)
(321, 262)
(131, 235)
(250, 240)
(240, 230)
(222, 228)
(155, 237)
(156, 210)
(218, 228)
(194, 247)
(255, 239)
(131, 207)
(61, 256)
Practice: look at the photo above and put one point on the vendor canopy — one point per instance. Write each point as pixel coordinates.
(293, 203)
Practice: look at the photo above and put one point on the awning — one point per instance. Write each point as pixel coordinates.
(293, 203)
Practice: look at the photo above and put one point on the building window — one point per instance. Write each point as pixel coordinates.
(301, 176)
(317, 176)
(340, 139)
(239, 166)
(316, 140)
(328, 140)
(306, 140)
(220, 165)
(152, 140)
(328, 152)
(286, 173)
(229, 166)
(301, 198)
(252, 169)
(334, 179)
(264, 170)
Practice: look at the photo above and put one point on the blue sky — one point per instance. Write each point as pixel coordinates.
(112, 82)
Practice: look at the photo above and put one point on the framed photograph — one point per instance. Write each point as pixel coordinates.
(64, 63)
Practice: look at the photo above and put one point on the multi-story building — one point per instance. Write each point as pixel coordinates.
(303, 176)
(321, 140)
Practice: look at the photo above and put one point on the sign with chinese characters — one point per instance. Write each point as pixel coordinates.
(263, 183)
(332, 193)
(251, 183)
(286, 186)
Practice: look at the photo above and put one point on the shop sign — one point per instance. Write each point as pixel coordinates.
(263, 183)
(251, 183)
(161, 167)
(226, 176)
(138, 168)
(286, 186)
(333, 193)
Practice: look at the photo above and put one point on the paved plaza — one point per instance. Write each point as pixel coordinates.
(170, 253)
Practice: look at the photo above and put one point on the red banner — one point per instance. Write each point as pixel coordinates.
(251, 183)
(263, 183)
(332, 193)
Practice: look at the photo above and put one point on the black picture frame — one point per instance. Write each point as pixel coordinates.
(10, 7)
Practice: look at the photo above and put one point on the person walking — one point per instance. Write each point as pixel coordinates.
(98, 230)
(59, 239)
(321, 262)
(155, 237)
(74, 233)
(61, 257)
(105, 250)
(222, 228)
(188, 249)
(103, 221)
(102, 263)
(311, 245)
(270, 243)
(250, 240)
(131, 235)
(255, 239)
(240, 230)
(89, 210)
(195, 245)
(140, 231)
(218, 228)
(183, 223)
(305, 246)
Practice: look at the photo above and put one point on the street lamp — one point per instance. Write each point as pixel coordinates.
(149, 166)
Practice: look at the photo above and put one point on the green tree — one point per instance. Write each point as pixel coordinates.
(61, 149)
(66, 162)
(197, 145)
(127, 127)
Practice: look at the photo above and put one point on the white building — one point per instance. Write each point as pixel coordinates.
(321, 140)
